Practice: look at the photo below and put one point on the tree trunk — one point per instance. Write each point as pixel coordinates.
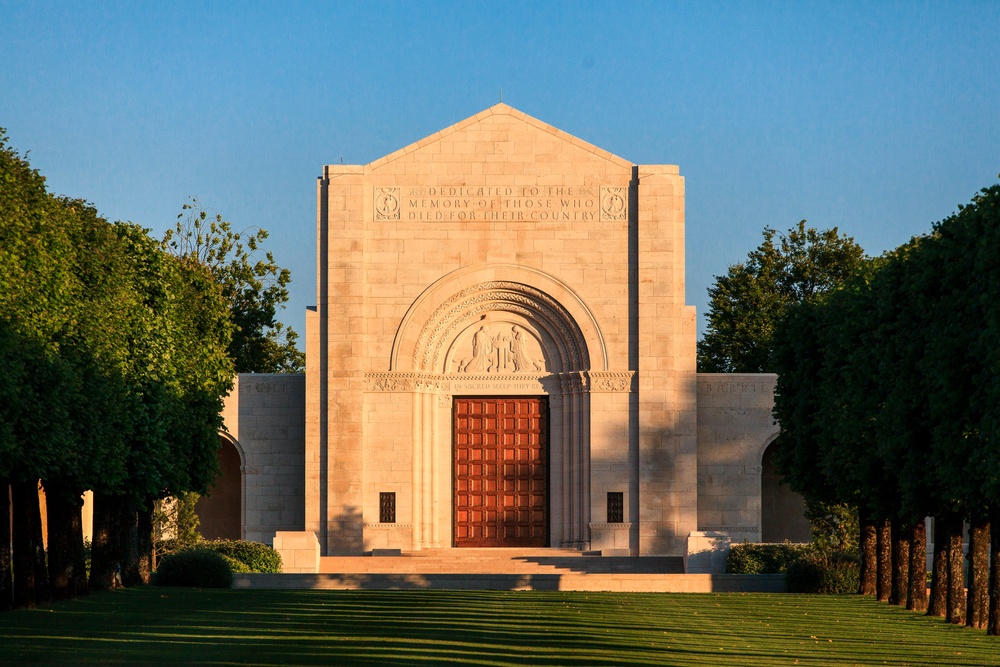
(869, 558)
(900, 563)
(145, 524)
(993, 625)
(30, 577)
(130, 545)
(978, 610)
(917, 598)
(939, 577)
(67, 569)
(105, 553)
(6, 587)
(883, 585)
(956, 571)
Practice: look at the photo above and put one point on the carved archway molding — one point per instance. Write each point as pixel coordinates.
(465, 296)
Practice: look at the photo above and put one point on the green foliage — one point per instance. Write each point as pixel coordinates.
(201, 568)
(236, 566)
(257, 557)
(113, 352)
(757, 558)
(187, 520)
(254, 288)
(835, 526)
(745, 304)
(816, 572)
(252, 556)
(810, 569)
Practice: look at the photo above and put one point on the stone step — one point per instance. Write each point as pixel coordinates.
(500, 561)
(650, 583)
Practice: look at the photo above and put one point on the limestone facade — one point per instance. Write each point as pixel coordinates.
(264, 418)
(496, 264)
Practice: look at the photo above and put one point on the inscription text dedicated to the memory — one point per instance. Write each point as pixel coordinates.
(497, 203)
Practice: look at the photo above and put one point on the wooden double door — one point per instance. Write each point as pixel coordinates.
(501, 472)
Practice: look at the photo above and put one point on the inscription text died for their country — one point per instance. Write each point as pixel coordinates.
(499, 203)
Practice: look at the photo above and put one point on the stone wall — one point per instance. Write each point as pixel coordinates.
(735, 427)
(265, 420)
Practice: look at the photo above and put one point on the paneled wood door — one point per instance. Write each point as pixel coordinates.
(501, 472)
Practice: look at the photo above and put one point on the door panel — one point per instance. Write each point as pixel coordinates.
(501, 472)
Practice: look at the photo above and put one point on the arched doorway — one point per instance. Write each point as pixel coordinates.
(515, 345)
(782, 510)
(220, 511)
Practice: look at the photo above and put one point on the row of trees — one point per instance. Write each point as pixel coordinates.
(116, 352)
(889, 399)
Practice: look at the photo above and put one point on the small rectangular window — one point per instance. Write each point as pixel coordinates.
(387, 507)
(616, 507)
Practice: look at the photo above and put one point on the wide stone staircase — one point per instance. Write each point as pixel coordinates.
(509, 569)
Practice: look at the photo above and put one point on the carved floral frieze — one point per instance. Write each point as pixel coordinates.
(611, 381)
(550, 383)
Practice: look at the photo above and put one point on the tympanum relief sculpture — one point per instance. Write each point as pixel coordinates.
(502, 351)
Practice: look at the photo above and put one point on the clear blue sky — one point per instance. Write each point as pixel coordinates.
(875, 117)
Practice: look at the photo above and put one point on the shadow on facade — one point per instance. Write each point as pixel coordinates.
(345, 534)
(220, 511)
(782, 511)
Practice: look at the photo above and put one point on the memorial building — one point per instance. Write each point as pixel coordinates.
(501, 356)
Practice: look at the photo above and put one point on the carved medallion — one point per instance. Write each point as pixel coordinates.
(387, 203)
(614, 203)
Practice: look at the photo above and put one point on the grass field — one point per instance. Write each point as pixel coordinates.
(184, 626)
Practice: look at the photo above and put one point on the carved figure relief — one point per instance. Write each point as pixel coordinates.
(387, 203)
(500, 353)
(614, 203)
(520, 355)
(495, 296)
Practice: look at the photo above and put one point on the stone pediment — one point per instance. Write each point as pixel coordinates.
(501, 134)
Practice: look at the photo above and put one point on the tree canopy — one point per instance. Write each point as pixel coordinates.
(887, 397)
(254, 288)
(745, 304)
(115, 356)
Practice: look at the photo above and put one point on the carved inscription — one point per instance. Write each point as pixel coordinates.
(536, 203)
(263, 388)
(735, 388)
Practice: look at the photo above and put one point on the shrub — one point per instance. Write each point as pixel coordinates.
(754, 558)
(198, 568)
(252, 556)
(235, 566)
(822, 573)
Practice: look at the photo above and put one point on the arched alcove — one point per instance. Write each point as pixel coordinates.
(220, 511)
(522, 338)
(782, 510)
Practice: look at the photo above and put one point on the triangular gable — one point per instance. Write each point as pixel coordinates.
(494, 113)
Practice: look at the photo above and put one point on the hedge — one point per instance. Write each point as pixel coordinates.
(755, 558)
(246, 556)
(824, 573)
(198, 568)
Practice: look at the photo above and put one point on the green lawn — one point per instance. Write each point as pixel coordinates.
(185, 626)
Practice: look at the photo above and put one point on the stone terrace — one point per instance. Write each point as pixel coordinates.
(510, 569)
